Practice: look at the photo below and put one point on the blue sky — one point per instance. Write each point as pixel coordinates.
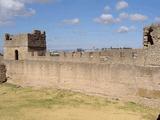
(72, 24)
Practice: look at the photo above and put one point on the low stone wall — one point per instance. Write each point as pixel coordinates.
(127, 82)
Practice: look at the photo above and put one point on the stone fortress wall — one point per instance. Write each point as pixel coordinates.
(128, 74)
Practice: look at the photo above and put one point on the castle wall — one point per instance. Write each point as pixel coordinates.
(128, 82)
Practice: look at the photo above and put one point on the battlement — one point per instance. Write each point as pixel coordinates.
(112, 56)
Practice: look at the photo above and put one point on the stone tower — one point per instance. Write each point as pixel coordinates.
(151, 36)
(151, 44)
(17, 47)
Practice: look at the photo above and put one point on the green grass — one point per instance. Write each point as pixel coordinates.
(15, 102)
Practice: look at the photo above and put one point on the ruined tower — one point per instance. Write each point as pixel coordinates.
(17, 47)
(151, 36)
(151, 44)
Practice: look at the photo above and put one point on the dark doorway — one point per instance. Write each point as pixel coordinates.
(16, 55)
(150, 40)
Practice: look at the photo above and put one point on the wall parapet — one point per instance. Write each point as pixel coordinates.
(122, 56)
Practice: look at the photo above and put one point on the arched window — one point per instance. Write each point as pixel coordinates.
(16, 55)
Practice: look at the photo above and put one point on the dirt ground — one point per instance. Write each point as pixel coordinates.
(17, 103)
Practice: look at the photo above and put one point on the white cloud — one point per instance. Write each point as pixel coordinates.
(138, 17)
(74, 21)
(125, 29)
(107, 19)
(12, 8)
(121, 5)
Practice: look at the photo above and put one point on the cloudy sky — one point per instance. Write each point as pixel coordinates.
(74, 24)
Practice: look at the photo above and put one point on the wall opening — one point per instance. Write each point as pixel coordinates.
(150, 39)
(7, 36)
(16, 55)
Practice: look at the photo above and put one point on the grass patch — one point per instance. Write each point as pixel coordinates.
(19, 103)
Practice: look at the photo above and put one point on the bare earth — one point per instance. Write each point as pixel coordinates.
(18, 103)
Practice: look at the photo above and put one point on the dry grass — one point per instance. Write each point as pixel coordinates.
(18, 103)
